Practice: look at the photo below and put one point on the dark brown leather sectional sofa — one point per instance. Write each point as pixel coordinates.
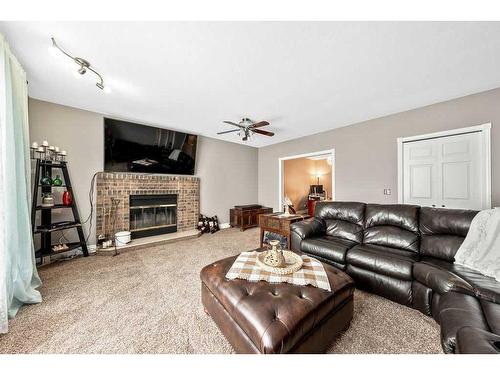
(406, 253)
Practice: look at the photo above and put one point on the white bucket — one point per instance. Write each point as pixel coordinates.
(122, 238)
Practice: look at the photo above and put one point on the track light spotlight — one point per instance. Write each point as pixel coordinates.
(83, 64)
(106, 89)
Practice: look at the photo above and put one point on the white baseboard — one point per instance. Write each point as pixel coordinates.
(224, 225)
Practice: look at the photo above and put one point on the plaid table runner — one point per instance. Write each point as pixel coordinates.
(312, 272)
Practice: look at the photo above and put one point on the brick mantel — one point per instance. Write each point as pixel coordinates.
(122, 185)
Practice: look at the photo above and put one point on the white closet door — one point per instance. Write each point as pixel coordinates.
(421, 172)
(445, 172)
(461, 180)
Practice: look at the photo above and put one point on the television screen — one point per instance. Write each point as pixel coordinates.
(130, 147)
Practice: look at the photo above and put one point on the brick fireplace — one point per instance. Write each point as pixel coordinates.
(123, 186)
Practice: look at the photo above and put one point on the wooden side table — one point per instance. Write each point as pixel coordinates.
(277, 223)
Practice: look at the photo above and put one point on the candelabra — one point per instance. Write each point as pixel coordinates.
(46, 152)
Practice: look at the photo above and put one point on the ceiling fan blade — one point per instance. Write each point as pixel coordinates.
(234, 124)
(229, 131)
(259, 124)
(263, 132)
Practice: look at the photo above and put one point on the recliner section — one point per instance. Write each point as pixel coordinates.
(383, 263)
(406, 253)
(331, 233)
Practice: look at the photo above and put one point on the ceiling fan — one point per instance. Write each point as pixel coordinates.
(247, 127)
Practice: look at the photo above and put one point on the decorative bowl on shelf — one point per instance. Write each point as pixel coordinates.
(47, 200)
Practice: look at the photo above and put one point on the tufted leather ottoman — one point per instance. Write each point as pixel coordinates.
(260, 317)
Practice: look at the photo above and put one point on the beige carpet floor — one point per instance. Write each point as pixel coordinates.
(148, 301)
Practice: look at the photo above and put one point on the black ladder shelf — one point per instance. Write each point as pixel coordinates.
(47, 227)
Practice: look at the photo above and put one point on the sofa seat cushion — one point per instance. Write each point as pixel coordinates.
(457, 310)
(383, 260)
(327, 247)
(472, 281)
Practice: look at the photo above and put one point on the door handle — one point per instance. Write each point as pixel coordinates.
(433, 205)
(443, 205)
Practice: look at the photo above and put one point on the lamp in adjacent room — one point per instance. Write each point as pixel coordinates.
(318, 188)
(318, 176)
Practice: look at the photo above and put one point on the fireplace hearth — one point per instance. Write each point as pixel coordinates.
(153, 214)
(163, 217)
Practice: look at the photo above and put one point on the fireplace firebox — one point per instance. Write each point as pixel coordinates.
(151, 215)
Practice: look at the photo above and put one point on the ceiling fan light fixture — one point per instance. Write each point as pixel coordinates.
(247, 128)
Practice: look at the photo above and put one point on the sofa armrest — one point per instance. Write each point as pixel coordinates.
(309, 228)
(472, 340)
(305, 229)
(439, 280)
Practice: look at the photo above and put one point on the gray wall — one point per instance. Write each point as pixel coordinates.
(227, 171)
(228, 176)
(366, 153)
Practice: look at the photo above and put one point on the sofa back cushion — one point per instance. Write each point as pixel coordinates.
(343, 219)
(443, 230)
(392, 225)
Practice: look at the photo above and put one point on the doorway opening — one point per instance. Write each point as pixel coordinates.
(305, 179)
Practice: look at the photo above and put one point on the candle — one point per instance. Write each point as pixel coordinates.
(57, 149)
(41, 152)
(63, 152)
(45, 144)
(33, 148)
(51, 148)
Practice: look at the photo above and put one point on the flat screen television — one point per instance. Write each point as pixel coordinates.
(130, 147)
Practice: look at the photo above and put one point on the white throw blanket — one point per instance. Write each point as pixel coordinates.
(481, 247)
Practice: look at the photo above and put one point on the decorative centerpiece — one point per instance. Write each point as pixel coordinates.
(281, 262)
(274, 257)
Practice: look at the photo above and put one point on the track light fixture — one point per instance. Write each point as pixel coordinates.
(83, 66)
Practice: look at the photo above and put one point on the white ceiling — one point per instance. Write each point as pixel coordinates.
(303, 77)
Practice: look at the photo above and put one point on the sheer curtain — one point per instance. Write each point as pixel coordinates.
(18, 275)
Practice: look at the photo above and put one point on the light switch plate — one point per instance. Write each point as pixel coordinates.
(387, 191)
